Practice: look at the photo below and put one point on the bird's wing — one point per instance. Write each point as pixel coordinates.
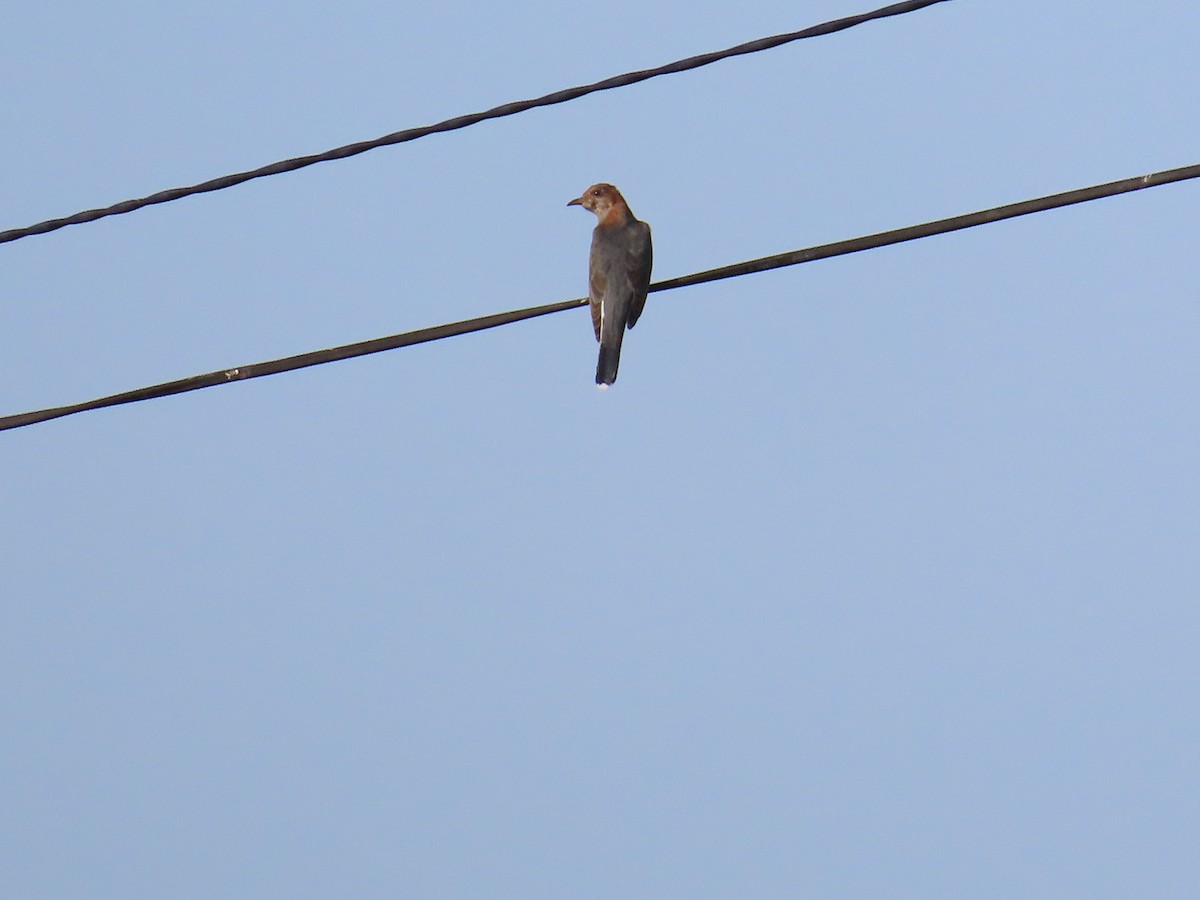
(639, 262)
(597, 285)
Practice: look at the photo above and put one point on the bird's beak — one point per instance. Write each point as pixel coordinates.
(578, 201)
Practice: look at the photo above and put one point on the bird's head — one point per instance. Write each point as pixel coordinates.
(604, 200)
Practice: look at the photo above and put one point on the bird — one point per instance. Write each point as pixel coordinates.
(618, 273)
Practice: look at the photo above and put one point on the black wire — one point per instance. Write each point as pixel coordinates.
(795, 257)
(507, 109)
(941, 226)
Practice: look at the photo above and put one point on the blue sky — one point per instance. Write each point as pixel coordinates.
(875, 577)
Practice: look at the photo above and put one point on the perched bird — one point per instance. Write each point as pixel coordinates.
(618, 273)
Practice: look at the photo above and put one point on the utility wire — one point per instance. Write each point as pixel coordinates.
(437, 333)
(506, 109)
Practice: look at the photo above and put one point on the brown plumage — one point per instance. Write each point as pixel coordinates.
(618, 273)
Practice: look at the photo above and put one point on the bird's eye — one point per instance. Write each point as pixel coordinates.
(596, 193)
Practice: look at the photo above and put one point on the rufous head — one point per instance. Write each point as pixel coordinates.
(601, 199)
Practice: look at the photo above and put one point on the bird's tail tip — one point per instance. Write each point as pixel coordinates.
(606, 366)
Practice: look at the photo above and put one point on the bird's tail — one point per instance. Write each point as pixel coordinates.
(606, 366)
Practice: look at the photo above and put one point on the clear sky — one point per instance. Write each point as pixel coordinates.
(875, 577)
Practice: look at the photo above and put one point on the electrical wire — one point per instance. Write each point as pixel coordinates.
(437, 333)
(506, 109)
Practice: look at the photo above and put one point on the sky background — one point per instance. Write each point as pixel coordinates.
(874, 577)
